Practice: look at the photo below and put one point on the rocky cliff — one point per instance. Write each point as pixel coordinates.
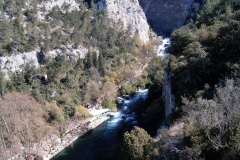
(167, 15)
(130, 13)
(17, 62)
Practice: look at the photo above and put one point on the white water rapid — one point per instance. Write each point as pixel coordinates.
(162, 48)
(167, 93)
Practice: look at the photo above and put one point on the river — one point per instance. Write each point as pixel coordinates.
(96, 144)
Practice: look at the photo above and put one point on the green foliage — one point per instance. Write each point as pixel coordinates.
(112, 58)
(127, 89)
(2, 83)
(155, 75)
(81, 111)
(213, 125)
(181, 38)
(101, 65)
(137, 145)
(204, 54)
(155, 71)
(54, 113)
(110, 103)
(88, 61)
(207, 52)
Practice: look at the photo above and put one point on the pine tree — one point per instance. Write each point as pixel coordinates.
(88, 63)
(79, 64)
(46, 35)
(35, 35)
(137, 144)
(95, 60)
(101, 64)
(2, 83)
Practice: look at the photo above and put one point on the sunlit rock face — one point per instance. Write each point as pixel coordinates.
(130, 13)
(166, 15)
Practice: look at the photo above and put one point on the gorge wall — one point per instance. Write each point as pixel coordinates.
(128, 12)
(166, 15)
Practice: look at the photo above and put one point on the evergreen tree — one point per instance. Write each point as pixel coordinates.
(79, 64)
(47, 41)
(2, 83)
(137, 144)
(95, 60)
(35, 35)
(101, 64)
(88, 62)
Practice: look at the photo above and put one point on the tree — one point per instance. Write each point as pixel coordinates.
(79, 64)
(2, 83)
(21, 124)
(81, 112)
(101, 64)
(108, 89)
(46, 36)
(92, 92)
(137, 144)
(95, 60)
(88, 61)
(212, 126)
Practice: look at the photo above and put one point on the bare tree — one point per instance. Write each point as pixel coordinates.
(21, 124)
(217, 120)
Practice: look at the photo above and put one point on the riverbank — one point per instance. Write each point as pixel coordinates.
(52, 144)
(71, 136)
(60, 143)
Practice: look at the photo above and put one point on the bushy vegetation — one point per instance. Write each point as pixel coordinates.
(22, 123)
(205, 51)
(81, 112)
(212, 126)
(204, 68)
(137, 144)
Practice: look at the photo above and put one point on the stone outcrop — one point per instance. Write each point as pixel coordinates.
(167, 15)
(130, 13)
(17, 62)
(70, 4)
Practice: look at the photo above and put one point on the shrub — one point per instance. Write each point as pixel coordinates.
(81, 112)
(54, 113)
(137, 145)
(127, 89)
(110, 103)
(213, 125)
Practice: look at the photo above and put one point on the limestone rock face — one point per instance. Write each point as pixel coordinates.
(18, 61)
(167, 15)
(130, 13)
(51, 3)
